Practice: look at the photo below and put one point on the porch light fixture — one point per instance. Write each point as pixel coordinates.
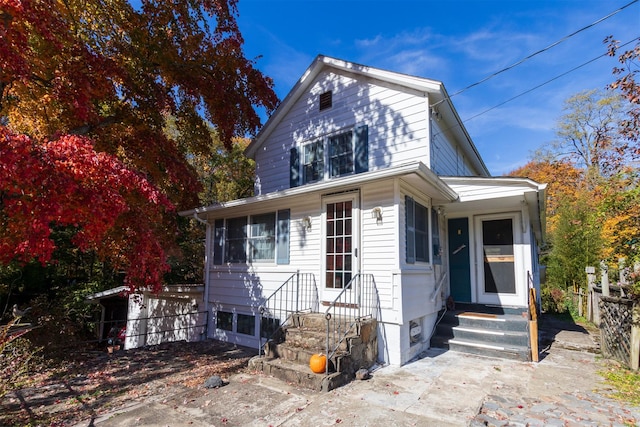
(376, 213)
(306, 222)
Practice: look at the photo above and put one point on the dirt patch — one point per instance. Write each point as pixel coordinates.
(90, 384)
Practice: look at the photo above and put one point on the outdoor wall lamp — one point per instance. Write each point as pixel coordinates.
(306, 223)
(376, 213)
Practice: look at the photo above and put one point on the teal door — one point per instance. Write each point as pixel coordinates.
(459, 260)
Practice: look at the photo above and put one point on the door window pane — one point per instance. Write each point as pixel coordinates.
(499, 267)
(339, 258)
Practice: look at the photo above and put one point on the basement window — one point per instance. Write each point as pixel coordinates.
(224, 320)
(326, 100)
(246, 324)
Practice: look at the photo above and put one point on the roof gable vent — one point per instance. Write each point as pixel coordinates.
(326, 100)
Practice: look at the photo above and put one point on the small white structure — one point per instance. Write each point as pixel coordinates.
(175, 314)
(366, 171)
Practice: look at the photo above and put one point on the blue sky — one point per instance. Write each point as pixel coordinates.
(458, 42)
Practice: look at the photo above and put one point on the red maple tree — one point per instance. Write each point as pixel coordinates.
(86, 89)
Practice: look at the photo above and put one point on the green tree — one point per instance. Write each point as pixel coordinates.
(575, 243)
(588, 134)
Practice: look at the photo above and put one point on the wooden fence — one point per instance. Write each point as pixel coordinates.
(618, 316)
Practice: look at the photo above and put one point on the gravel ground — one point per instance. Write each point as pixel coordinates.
(90, 384)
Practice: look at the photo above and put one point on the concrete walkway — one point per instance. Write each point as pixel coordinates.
(442, 388)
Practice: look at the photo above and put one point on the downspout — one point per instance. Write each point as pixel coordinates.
(207, 246)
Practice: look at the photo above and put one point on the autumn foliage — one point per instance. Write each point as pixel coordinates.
(86, 90)
(66, 183)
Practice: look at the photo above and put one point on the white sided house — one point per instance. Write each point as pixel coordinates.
(371, 201)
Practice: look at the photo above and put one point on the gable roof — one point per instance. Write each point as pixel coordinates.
(438, 98)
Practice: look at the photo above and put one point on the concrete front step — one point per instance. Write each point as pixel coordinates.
(492, 350)
(485, 331)
(489, 336)
(504, 322)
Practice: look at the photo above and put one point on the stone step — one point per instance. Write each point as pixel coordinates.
(288, 353)
(300, 375)
(318, 321)
(314, 340)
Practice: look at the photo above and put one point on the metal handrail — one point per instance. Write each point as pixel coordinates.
(358, 300)
(297, 294)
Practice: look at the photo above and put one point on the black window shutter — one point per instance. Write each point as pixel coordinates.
(409, 207)
(294, 168)
(361, 149)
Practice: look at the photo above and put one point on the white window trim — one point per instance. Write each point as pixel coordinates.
(248, 239)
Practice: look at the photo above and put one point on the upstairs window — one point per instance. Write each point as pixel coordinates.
(333, 156)
(341, 154)
(313, 162)
(417, 231)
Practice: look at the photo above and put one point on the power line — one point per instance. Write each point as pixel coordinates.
(540, 51)
(546, 82)
(529, 90)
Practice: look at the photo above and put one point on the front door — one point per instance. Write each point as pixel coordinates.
(497, 262)
(459, 260)
(341, 244)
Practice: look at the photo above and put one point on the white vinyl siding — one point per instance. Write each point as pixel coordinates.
(446, 157)
(379, 238)
(397, 120)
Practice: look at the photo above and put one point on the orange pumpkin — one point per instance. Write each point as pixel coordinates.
(318, 363)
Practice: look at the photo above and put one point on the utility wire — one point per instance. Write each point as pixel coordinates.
(545, 83)
(532, 89)
(539, 51)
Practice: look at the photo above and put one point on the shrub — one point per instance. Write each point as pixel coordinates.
(554, 300)
(16, 357)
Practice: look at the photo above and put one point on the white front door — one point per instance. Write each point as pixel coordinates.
(340, 252)
(498, 260)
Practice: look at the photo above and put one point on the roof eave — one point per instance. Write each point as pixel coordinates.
(417, 168)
